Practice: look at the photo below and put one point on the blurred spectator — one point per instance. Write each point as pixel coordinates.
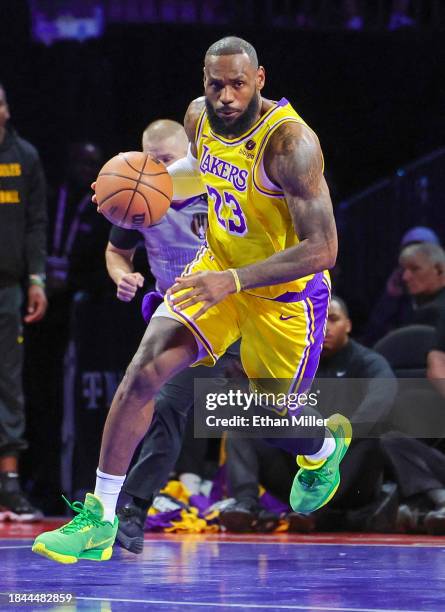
(77, 236)
(423, 273)
(365, 402)
(395, 307)
(417, 467)
(22, 252)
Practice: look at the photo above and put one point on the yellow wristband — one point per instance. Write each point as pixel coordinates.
(236, 278)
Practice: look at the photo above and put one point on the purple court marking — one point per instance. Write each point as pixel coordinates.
(191, 574)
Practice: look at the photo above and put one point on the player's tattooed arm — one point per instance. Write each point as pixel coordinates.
(192, 115)
(293, 160)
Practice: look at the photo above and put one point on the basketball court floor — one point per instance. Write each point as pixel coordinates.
(326, 573)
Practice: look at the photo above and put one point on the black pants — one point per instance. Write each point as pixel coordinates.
(361, 475)
(415, 466)
(252, 462)
(12, 411)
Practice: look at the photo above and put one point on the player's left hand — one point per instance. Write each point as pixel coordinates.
(37, 304)
(207, 288)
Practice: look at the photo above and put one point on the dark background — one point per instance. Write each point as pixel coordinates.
(376, 98)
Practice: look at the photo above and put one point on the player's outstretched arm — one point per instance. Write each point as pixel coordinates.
(293, 160)
(185, 173)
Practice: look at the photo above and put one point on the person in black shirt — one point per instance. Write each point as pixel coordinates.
(369, 400)
(22, 252)
(419, 468)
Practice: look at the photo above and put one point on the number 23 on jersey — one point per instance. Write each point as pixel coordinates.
(228, 212)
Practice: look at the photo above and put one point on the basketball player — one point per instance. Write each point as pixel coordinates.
(262, 278)
(170, 245)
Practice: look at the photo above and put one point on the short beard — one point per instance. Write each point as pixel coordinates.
(241, 123)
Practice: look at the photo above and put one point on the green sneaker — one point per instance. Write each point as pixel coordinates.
(316, 483)
(87, 536)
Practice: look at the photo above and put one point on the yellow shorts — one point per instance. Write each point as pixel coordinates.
(279, 339)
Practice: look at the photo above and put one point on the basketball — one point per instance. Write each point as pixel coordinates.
(133, 190)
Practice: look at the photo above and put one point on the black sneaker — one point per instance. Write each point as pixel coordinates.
(14, 506)
(130, 534)
(240, 516)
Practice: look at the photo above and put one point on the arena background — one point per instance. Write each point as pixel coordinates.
(376, 99)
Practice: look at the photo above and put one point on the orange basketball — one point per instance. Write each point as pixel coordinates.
(133, 190)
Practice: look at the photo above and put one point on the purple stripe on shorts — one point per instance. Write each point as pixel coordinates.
(320, 304)
(310, 331)
(296, 296)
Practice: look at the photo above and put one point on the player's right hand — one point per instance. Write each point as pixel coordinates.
(128, 284)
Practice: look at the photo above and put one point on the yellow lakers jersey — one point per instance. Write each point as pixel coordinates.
(248, 216)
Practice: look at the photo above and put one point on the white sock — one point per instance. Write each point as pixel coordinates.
(328, 447)
(107, 490)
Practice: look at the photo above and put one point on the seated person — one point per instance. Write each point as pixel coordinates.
(250, 462)
(395, 306)
(418, 468)
(423, 273)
